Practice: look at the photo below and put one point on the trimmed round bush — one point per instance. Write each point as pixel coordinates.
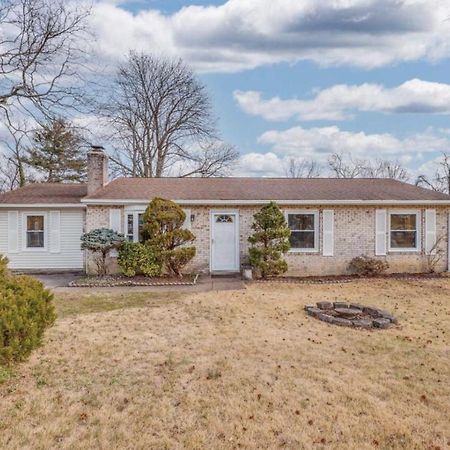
(101, 241)
(136, 258)
(26, 310)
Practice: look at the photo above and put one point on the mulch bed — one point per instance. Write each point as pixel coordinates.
(334, 279)
(119, 280)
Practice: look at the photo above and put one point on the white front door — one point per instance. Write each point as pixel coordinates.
(224, 241)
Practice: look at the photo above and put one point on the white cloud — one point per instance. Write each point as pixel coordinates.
(260, 165)
(339, 101)
(319, 143)
(239, 35)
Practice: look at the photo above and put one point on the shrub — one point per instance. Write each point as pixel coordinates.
(435, 254)
(100, 241)
(270, 241)
(365, 265)
(3, 266)
(136, 258)
(26, 310)
(163, 221)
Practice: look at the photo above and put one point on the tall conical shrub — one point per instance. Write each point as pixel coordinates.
(163, 230)
(269, 241)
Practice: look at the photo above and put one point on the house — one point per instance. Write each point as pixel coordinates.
(332, 220)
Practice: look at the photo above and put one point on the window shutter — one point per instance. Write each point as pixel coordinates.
(187, 221)
(115, 219)
(115, 223)
(13, 231)
(380, 232)
(55, 232)
(430, 230)
(328, 232)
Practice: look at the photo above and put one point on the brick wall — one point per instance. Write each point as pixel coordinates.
(354, 235)
(97, 170)
(98, 217)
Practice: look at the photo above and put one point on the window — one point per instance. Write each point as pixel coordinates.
(130, 227)
(224, 218)
(35, 231)
(304, 230)
(404, 231)
(135, 224)
(135, 227)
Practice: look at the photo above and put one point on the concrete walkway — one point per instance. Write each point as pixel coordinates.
(59, 283)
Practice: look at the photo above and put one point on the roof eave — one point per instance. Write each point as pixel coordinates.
(100, 202)
(42, 205)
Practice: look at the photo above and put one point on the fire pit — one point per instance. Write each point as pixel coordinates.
(348, 313)
(351, 315)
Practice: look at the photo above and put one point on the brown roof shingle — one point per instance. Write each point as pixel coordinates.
(54, 193)
(230, 189)
(248, 189)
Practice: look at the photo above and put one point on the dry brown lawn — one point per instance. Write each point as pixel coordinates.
(241, 369)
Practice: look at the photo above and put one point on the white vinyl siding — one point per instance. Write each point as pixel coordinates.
(63, 250)
(328, 232)
(55, 231)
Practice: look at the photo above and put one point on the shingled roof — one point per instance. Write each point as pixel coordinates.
(263, 189)
(231, 190)
(45, 193)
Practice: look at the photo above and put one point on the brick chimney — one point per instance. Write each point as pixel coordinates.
(97, 169)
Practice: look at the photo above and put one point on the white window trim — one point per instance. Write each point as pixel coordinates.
(135, 215)
(314, 212)
(135, 211)
(24, 231)
(415, 249)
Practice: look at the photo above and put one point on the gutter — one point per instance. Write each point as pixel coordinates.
(121, 202)
(42, 205)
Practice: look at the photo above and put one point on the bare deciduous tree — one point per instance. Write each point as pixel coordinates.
(436, 253)
(13, 171)
(385, 169)
(344, 166)
(302, 168)
(212, 159)
(440, 181)
(162, 116)
(39, 53)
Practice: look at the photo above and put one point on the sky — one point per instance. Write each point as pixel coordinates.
(304, 78)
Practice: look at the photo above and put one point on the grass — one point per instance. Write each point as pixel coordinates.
(72, 304)
(242, 369)
(5, 374)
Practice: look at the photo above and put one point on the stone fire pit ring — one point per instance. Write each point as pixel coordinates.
(351, 315)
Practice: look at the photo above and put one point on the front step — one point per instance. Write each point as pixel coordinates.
(225, 275)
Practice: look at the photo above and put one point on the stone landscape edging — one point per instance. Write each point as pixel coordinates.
(121, 282)
(349, 279)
